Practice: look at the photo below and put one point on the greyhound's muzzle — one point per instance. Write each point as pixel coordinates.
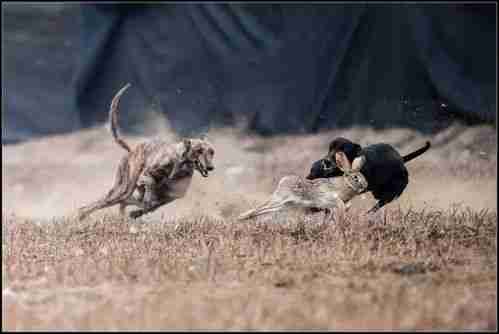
(202, 170)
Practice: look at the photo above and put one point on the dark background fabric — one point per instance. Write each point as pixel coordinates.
(277, 68)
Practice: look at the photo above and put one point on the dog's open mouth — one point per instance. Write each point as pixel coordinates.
(200, 168)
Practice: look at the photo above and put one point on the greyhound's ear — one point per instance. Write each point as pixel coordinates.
(342, 161)
(358, 163)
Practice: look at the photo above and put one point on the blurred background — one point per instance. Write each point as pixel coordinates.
(269, 68)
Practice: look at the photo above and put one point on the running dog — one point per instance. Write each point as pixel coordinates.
(159, 171)
(384, 169)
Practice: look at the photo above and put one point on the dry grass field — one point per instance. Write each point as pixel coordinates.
(428, 262)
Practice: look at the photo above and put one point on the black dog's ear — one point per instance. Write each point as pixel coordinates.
(351, 149)
(338, 144)
(357, 148)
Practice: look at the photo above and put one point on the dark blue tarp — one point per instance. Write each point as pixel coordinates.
(278, 68)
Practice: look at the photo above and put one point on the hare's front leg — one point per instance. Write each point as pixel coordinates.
(341, 211)
(336, 212)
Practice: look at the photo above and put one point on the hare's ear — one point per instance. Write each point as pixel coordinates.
(358, 163)
(188, 145)
(342, 161)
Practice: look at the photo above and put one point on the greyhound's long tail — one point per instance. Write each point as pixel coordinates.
(113, 118)
(416, 153)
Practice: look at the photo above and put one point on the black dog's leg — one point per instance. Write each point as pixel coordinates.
(378, 206)
(390, 190)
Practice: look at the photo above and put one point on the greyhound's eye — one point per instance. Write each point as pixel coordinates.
(210, 151)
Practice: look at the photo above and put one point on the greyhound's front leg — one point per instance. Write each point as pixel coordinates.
(140, 196)
(146, 186)
(151, 207)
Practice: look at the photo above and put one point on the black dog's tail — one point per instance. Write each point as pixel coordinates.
(416, 153)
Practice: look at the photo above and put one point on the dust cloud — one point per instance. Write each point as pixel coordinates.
(53, 176)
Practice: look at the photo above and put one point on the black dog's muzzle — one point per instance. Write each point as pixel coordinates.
(324, 168)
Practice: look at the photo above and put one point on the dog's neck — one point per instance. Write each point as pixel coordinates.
(182, 169)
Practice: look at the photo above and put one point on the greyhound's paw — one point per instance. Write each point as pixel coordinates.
(79, 215)
(136, 214)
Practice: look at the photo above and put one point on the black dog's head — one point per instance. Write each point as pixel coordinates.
(324, 168)
(327, 167)
(351, 149)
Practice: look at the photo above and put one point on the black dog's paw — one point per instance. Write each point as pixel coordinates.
(371, 221)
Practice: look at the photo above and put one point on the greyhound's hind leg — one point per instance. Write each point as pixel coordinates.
(123, 188)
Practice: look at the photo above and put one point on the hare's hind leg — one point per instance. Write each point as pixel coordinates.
(274, 204)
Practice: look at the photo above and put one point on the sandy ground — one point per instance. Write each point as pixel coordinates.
(191, 265)
(55, 175)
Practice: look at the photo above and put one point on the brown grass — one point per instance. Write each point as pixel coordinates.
(427, 262)
(408, 270)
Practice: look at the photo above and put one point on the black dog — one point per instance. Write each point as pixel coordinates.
(384, 168)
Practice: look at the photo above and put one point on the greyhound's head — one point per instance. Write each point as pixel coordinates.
(201, 153)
